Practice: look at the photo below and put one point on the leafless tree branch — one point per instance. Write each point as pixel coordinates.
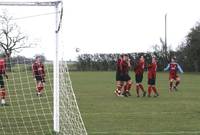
(11, 39)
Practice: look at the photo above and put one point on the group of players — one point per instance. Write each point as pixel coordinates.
(123, 79)
(38, 74)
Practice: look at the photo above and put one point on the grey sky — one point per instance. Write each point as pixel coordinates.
(109, 26)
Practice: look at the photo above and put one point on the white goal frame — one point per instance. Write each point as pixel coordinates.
(56, 99)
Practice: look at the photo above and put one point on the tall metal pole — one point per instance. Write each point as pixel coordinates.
(165, 47)
(166, 31)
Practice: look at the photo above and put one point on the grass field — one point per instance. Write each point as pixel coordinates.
(104, 113)
(25, 113)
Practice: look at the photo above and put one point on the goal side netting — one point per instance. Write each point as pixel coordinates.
(27, 110)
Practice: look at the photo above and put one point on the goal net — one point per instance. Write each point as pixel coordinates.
(39, 97)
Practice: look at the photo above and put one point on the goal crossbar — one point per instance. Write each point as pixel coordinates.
(14, 3)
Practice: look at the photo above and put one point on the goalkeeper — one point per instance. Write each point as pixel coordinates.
(173, 68)
(2, 73)
(39, 74)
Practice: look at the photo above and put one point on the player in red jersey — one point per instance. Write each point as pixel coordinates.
(139, 70)
(152, 77)
(119, 82)
(39, 74)
(2, 85)
(125, 63)
(173, 68)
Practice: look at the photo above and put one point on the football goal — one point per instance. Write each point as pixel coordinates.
(38, 102)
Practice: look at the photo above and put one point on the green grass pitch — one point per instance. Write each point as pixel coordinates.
(106, 114)
(103, 113)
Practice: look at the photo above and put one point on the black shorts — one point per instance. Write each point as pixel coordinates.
(118, 76)
(1, 81)
(39, 78)
(126, 77)
(152, 81)
(138, 78)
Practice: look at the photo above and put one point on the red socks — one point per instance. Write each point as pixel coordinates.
(149, 90)
(128, 86)
(154, 90)
(3, 93)
(40, 88)
(137, 89)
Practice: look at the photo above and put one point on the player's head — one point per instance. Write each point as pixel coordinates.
(142, 58)
(125, 57)
(38, 59)
(173, 59)
(120, 56)
(153, 59)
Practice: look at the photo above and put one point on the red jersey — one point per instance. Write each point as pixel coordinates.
(152, 70)
(125, 67)
(38, 69)
(2, 66)
(118, 65)
(139, 69)
(173, 68)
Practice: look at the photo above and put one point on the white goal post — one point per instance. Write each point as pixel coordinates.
(57, 66)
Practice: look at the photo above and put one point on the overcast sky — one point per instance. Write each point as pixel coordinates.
(108, 26)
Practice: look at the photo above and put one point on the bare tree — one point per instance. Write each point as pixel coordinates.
(11, 38)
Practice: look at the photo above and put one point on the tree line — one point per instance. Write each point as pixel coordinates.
(187, 55)
(107, 62)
